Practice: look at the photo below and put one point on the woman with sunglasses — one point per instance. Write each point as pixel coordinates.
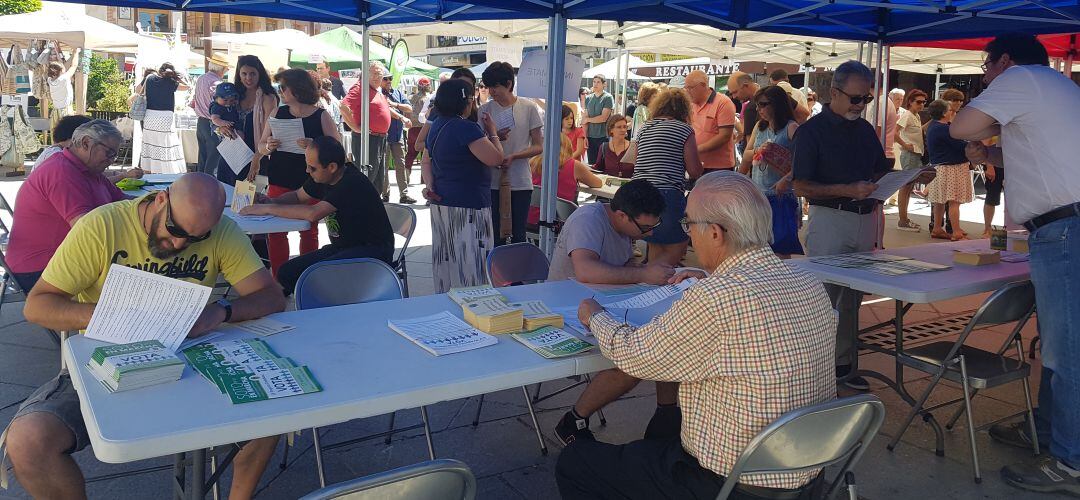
(768, 161)
(910, 140)
(288, 171)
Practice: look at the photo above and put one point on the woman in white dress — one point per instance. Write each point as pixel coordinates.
(162, 152)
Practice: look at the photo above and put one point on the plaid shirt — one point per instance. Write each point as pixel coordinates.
(749, 343)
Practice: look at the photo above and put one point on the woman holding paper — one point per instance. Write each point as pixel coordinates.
(258, 100)
(283, 142)
(161, 149)
(457, 173)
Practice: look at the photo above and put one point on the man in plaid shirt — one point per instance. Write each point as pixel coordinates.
(748, 343)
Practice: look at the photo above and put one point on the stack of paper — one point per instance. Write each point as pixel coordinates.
(486, 309)
(973, 257)
(123, 367)
(643, 308)
(536, 314)
(552, 342)
(249, 370)
(442, 333)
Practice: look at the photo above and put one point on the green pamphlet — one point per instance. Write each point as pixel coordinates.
(552, 342)
(270, 384)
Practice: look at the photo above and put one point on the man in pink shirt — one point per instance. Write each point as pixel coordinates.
(379, 115)
(57, 193)
(713, 121)
(216, 67)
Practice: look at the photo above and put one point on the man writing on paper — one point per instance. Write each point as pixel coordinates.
(596, 246)
(346, 200)
(178, 233)
(746, 344)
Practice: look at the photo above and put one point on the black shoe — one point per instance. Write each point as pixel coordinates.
(1044, 474)
(571, 428)
(406, 200)
(665, 423)
(386, 198)
(1015, 434)
(858, 383)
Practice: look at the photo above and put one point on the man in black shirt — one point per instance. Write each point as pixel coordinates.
(337, 87)
(345, 200)
(837, 159)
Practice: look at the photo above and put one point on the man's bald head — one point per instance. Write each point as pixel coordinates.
(741, 85)
(197, 202)
(697, 85)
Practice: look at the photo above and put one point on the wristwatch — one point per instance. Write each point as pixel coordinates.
(228, 309)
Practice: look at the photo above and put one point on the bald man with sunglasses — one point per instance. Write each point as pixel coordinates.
(178, 233)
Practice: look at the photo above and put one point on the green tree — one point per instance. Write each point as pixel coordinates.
(101, 70)
(19, 6)
(115, 92)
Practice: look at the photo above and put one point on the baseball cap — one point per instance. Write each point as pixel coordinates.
(226, 89)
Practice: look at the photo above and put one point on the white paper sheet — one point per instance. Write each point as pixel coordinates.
(441, 333)
(264, 327)
(136, 305)
(504, 119)
(893, 181)
(236, 153)
(653, 296)
(288, 131)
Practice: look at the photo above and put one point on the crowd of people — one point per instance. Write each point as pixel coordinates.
(752, 339)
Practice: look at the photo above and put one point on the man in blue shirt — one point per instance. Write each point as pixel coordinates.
(394, 139)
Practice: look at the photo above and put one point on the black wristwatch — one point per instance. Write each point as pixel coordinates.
(228, 309)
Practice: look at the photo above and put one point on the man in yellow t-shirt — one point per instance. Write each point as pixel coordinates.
(178, 233)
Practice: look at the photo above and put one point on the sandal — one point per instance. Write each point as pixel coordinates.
(908, 225)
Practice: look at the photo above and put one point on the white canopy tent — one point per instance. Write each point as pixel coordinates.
(610, 69)
(274, 47)
(69, 28)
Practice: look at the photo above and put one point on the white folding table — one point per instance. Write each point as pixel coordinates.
(365, 369)
(918, 288)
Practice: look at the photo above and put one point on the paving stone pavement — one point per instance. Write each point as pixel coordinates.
(503, 452)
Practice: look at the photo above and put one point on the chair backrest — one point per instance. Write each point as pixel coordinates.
(811, 437)
(7, 215)
(563, 208)
(347, 281)
(1012, 302)
(516, 263)
(403, 222)
(442, 479)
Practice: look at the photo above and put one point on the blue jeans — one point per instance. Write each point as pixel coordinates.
(1055, 272)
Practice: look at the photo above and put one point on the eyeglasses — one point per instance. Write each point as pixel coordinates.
(856, 100)
(481, 86)
(109, 152)
(986, 65)
(763, 104)
(175, 230)
(648, 229)
(387, 78)
(811, 99)
(686, 222)
(919, 101)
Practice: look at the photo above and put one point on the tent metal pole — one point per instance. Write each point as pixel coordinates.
(887, 49)
(862, 46)
(549, 176)
(1070, 56)
(625, 80)
(806, 74)
(882, 106)
(937, 83)
(618, 74)
(365, 84)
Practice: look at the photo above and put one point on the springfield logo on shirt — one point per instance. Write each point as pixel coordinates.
(179, 267)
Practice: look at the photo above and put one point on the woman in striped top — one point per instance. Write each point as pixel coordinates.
(666, 152)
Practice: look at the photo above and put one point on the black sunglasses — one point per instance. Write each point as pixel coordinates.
(647, 229)
(763, 104)
(856, 99)
(919, 101)
(175, 230)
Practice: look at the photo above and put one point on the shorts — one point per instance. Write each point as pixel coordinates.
(670, 231)
(994, 187)
(909, 160)
(58, 398)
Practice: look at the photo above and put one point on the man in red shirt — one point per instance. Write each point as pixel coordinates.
(379, 115)
(713, 121)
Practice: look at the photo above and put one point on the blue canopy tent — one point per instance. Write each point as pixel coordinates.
(879, 21)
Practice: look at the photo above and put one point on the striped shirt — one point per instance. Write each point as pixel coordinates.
(204, 93)
(660, 158)
(752, 341)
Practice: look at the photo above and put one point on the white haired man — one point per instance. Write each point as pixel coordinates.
(752, 326)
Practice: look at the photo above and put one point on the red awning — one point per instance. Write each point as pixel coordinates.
(1056, 45)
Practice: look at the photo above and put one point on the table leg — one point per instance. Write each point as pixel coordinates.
(198, 475)
(179, 475)
(897, 383)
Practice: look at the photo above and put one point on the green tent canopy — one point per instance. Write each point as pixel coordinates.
(349, 41)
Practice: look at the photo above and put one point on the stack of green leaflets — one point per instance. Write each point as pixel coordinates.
(249, 370)
(122, 367)
(552, 342)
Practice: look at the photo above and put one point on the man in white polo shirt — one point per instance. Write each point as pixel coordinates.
(1036, 111)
